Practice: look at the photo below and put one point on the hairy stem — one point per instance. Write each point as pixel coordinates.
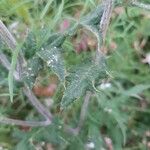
(9, 121)
(84, 110)
(140, 5)
(105, 19)
(35, 102)
(8, 38)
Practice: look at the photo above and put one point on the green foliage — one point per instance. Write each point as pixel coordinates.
(91, 23)
(12, 69)
(119, 112)
(54, 60)
(31, 71)
(82, 79)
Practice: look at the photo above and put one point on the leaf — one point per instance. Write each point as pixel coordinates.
(82, 80)
(12, 69)
(25, 145)
(56, 40)
(58, 14)
(91, 22)
(31, 71)
(112, 108)
(121, 122)
(95, 137)
(136, 90)
(94, 17)
(49, 134)
(30, 45)
(54, 60)
(46, 8)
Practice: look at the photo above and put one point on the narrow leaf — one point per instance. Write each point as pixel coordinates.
(12, 69)
(136, 90)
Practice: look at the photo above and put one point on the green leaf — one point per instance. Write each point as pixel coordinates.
(136, 90)
(31, 71)
(25, 145)
(30, 45)
(95, 137)
(121, 122)
(82, 80)
(46, 8)
(49, 134)
(54, 60)
(55, 40)
(58, 14)
(112, 108)
(94, 17)
(91, 23)
(12, 69)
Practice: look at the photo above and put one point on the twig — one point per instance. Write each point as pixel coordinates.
(105, 19)
(35, 102)
(24, 123)
(140, 5)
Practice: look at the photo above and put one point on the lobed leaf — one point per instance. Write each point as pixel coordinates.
(82, 80)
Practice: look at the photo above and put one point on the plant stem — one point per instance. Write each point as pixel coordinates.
(140, 5)
(105, 19)
(84, 110)
(8, 38)
(24, 123)
(35, 102)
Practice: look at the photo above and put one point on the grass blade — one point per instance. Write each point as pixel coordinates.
(46, 9)
(12, 69)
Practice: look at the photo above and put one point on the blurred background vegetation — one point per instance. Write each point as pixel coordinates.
(128, 59)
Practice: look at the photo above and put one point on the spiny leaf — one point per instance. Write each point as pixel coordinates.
(94, 17)
(82, 80)
(91, 23)
(54, 60)
(31, 71)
